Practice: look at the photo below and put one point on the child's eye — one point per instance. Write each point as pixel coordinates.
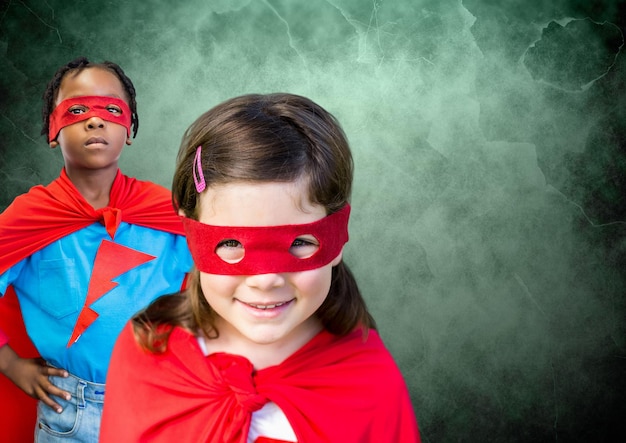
(77, 109)
(114, 109)
(230, 250)
(304, 247)
(230, 243)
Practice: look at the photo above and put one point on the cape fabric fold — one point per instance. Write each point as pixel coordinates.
(334, 389)
(48, 213)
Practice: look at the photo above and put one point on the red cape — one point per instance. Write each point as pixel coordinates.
(48, 213)
(334, 389)
(18, 411)
(40, 217)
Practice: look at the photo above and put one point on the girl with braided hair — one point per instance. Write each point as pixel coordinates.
(82, 255)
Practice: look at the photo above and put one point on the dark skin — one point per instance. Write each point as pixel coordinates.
(92, 168)
(31, 375)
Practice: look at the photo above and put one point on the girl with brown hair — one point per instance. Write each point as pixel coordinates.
(272, 341)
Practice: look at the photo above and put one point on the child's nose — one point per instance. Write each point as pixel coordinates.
(265, 282)
(94, 122)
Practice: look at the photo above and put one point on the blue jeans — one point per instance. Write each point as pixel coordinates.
(80, 419)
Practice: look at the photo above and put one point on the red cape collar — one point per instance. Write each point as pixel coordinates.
(334, 388)
(48, 213)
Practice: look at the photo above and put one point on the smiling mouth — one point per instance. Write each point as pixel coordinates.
(270, 306)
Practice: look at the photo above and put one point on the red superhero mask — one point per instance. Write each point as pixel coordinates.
(95, 106)
(266, 248)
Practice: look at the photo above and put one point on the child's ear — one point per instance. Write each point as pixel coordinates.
(129, 141)
(53, 144)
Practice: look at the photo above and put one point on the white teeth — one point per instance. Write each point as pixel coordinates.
(267, 306)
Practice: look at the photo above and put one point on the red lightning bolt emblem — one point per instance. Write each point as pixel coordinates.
(112, 260)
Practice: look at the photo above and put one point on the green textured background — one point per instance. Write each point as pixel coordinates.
(488, 231)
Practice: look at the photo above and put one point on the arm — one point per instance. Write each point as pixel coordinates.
(31, 376)
(4, 339)
(28, 374)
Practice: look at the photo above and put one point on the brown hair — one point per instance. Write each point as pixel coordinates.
(261, 138)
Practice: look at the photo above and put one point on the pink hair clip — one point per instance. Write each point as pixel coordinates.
(198, 177)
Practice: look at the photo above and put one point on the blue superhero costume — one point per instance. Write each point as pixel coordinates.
(80, 273)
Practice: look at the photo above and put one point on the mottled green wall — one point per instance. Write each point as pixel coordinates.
(488, 230)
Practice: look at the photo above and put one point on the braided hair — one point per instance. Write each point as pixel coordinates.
(77, 65)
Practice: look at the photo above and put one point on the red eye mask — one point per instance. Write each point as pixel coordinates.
(267, 247)
(96, 107)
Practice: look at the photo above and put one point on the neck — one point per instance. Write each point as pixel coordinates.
(93, 184)
(263, 355)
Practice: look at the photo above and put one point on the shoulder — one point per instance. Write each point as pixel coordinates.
(33, 197)
(375, 364)
(361, 344)
(352, 376)
(360, 356)
(379, 355)
(38, 197)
